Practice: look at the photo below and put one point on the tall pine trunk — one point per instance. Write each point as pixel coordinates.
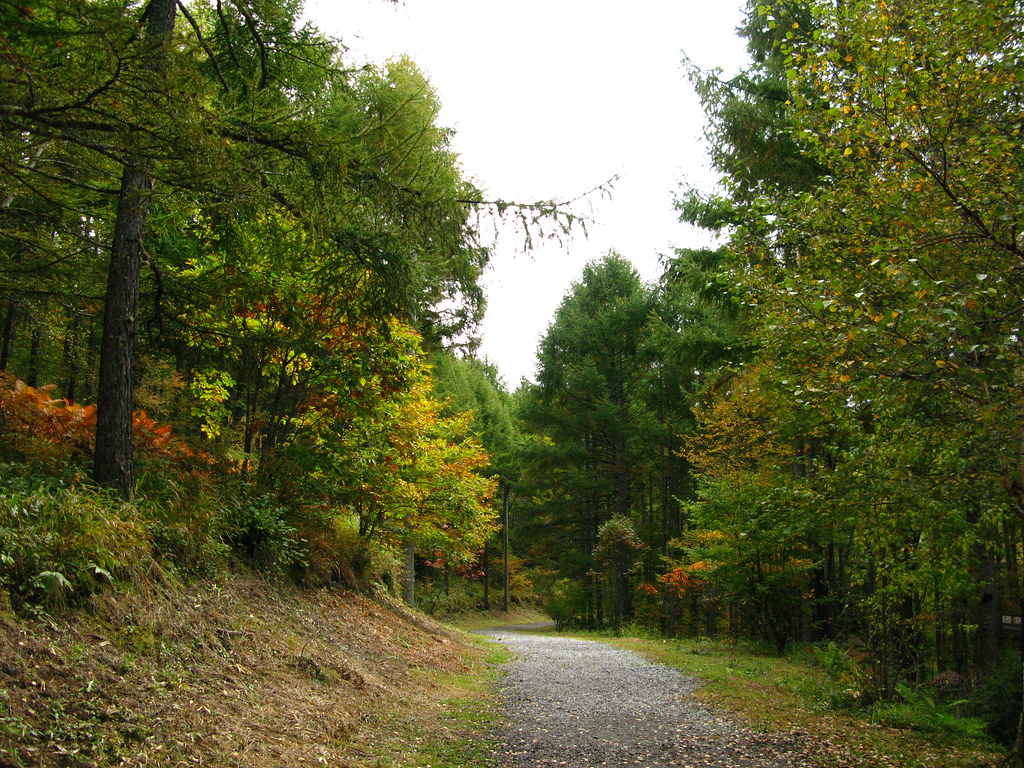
(112, 461)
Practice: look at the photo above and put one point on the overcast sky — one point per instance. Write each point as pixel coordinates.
(550, 98)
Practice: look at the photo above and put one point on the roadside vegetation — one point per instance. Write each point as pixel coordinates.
(810, 692)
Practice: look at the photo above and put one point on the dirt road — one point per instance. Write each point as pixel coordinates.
(583, 704)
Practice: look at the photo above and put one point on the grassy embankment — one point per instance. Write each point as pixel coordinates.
(241, 672)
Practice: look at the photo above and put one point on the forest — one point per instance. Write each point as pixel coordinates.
(241, 283)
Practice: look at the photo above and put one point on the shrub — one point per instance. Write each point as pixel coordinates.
(565, 605)
(996, 700)
(183, 512)
(847, 680)
(917, 710)
(335, 551)
(257, 528)
(36, 426)
(449, 597)
(60, 538)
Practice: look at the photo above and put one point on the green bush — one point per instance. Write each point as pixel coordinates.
(917, 710)
(336, 553)
(996, 700)
(565, 604)
(834, 659)
(60, 539)
(458, 596)
(257, 528)
(183, 515)
(844, 688)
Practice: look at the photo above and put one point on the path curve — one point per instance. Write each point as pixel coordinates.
(583, 704)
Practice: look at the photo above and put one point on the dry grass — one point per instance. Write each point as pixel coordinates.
(235, 673)
(496, 618)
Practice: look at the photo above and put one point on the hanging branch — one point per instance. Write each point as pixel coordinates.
(202, 41)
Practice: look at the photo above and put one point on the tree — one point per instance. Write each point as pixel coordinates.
(920, 126)
(882, 300)
(588, 413)
(235, 112)
(590, 384)
(617, 552)
(470, 386)
(112, 463)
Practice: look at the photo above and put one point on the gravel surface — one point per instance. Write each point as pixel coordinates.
(583, 704)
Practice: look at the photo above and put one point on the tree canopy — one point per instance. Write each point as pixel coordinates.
(206, 213)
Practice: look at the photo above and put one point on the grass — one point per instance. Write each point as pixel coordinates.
(471, 712)
(243, 672)
(477, 620)
(452, 730)
(785, 693)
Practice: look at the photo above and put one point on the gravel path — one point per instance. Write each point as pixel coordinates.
(582, 704)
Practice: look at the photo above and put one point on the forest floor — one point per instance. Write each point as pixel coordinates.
(241, 672)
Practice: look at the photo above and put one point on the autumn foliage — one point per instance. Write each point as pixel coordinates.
(28, 414)
(37, 424)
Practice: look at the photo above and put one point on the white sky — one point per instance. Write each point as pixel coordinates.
(550, 98)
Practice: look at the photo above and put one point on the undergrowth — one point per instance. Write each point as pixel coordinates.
(945, 706)
(62, 537)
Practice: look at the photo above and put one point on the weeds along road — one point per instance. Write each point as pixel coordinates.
(583, 704)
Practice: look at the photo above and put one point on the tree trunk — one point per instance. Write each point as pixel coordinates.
(112, 461)
(71, 334)
(989, 617)
(1016, 757)
(8, 335)
(34, 355)
(409, 576)
(485, 563)
(622, 475)
(504, 547)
